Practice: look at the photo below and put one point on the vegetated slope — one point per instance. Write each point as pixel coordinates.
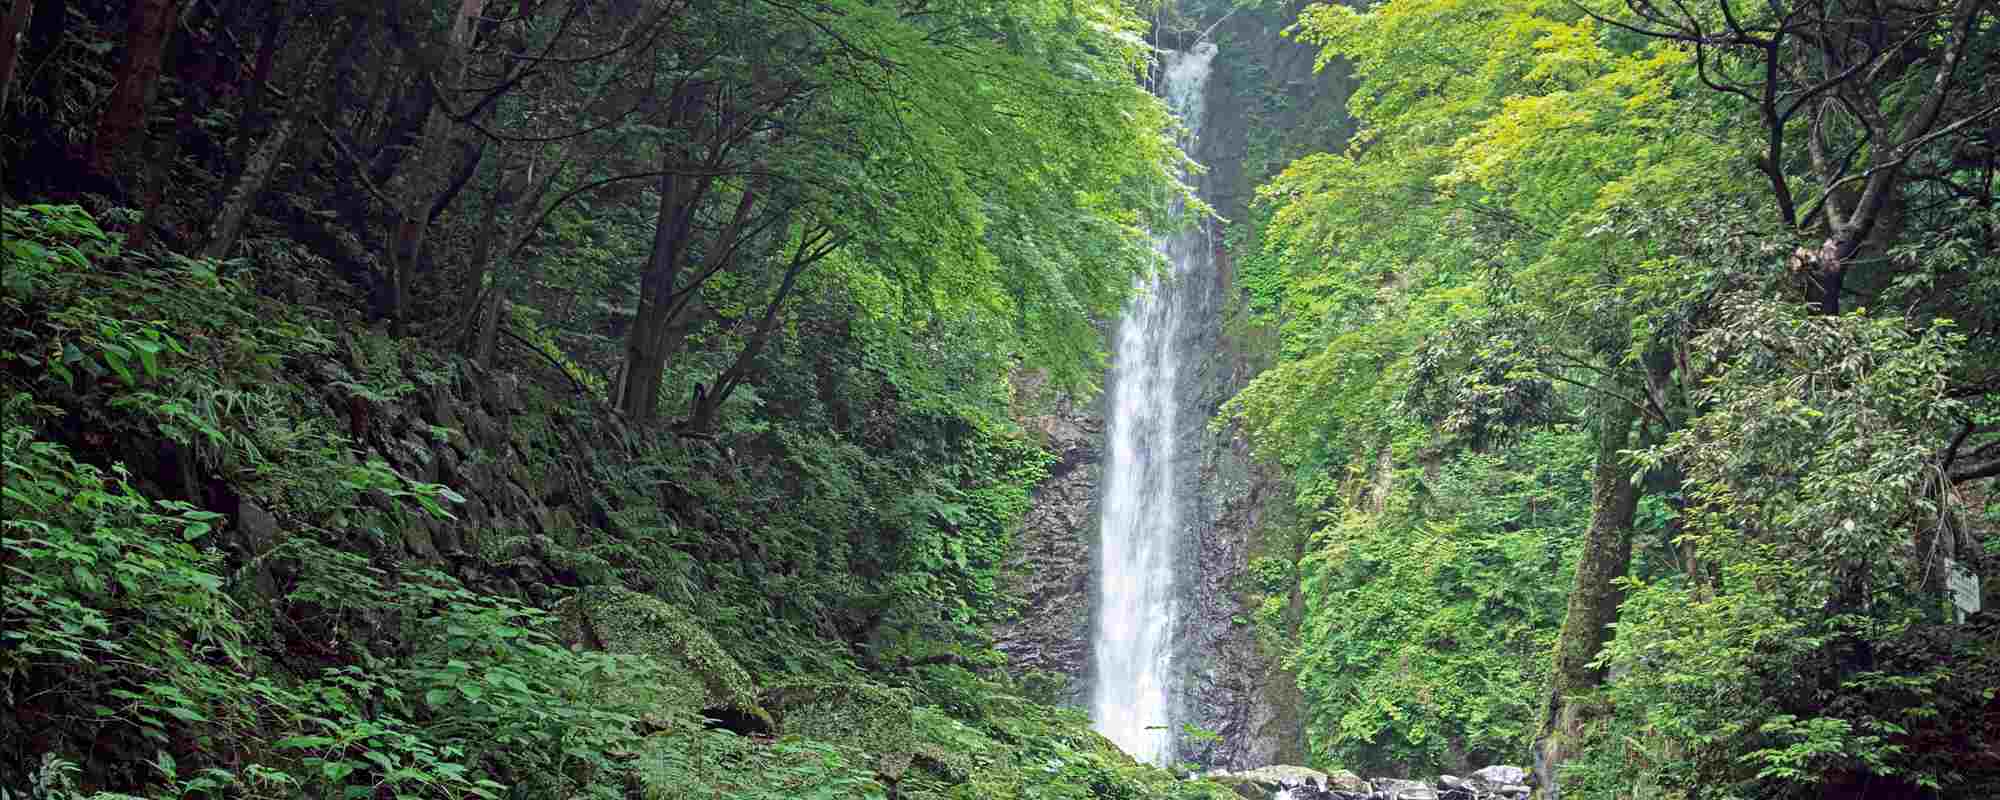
(1639, 374)
(313, 320)
(249, 546)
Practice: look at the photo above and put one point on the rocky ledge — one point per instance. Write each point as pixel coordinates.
(1283, 782)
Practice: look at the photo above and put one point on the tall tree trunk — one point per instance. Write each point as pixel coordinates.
(1595, 596)
(645, 345)
(430, 179)
(249, 185)
(11, 29)
(518, 236)
(148, 27)
(474, 289)
(197, 82)
(254, 94)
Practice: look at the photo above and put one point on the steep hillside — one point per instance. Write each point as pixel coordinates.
(252, 546)
(547, 399)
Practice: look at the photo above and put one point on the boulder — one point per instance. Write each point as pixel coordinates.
(875, 719)
(1500, 775)
(1501, 780)
(624, 621)
(1397, 789)
(1286, 782)
(257, 534)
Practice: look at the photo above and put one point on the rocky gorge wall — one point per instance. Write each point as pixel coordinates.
(1265, 104)
(1050, 566)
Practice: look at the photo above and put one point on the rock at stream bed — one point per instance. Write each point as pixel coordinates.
(1284, 782)
(1291, 783)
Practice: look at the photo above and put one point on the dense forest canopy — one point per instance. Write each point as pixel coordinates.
(1736, 259)
(282, 522)
(624, 398)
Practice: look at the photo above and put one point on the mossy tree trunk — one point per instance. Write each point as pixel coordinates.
(1595, 596)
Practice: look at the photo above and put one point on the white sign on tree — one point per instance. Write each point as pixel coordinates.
(1963, 586)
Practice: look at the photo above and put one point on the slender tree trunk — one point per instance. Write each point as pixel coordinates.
(474, 289)
(523, 228)
(706, 406)
(11, 29)
(197, 85)
(248, 187)
(429, 180)
(811, 248)
(645, 346)
(148, 27)
(1595, 596)
(160, 155)
(255, 93)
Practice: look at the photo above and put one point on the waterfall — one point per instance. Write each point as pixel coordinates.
(1140, 527)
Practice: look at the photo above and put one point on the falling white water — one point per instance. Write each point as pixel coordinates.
(1141, 520)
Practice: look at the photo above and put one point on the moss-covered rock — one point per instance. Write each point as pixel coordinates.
(948, 748)
(875, 719)
(624, 621)
(719, 764)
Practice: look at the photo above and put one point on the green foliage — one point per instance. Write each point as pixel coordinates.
(1548, 211)
(114, 604)
(1426, 625)
(1801, 508)
(704, 676)
(719, 764)
(875, 719)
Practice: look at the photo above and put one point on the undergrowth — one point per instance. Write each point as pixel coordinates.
(155, 647)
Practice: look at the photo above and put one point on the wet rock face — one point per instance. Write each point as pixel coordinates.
(1051, 566)
(1283, 782)
(1233, 686)
(1237, 689)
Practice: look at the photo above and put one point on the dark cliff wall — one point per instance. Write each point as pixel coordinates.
(1266, 106)
(1050, 568)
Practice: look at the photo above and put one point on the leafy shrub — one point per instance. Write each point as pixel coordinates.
(1427, 626)
(115, 612)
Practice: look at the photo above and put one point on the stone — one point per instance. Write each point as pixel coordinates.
(561, 526)
(623, 621)
(1342, 780)
(1050, 566)
(504, 393)
(417, 538)
(448, 468)
(876, 719)
(1290, 783)
(485, 433)
(438, 407)
(417, 460)
(1499, 775)
(1398, 789)
(445, 535)
(257, 534)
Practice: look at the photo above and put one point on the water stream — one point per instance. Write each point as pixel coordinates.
(1140, 527)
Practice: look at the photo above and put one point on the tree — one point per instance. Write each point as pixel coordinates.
(1544, 209)
(12, 28)
(857, 127)
(1880, 88)
(149, 24)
